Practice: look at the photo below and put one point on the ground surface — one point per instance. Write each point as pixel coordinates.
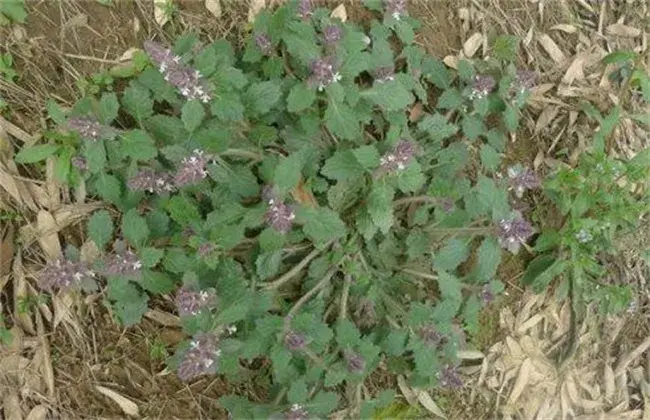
(67, 351)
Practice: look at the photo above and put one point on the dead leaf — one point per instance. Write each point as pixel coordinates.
(409, 394)
(37, 413)
(619, 29)
(48, 235)
(551, 48)
(566, 28)
(163, 318)
(427, 402)
(214, 7)
(46, 368)
(128, 407)
(451, 61)
(255, 7)
(340, 12)
(472, 44)
(522, 381)
(416, 112)
(303, 195)
(161, 11)
(21, 293)
(11, 406)
(128, 54)
(575, 71)
(89, 253)
(6, 251)
(470, 355)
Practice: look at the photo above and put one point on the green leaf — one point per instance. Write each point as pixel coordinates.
(271, 240)
(288, 173)
(404, 32)
(100, 228)
(151, 256)
(321, 224)
(450, 286)
(158, 222)
(135, 228)
(55, 112)
(262, 96)
(108, 107)
(506, 47)
(436, 72)
(129, 303)
(493, 198)
(473, 127)
(450, 99)
(137, 102)
(380, 206)
(417, 244)
(13, 10)
(390, 96)
(182, 209)
(95, 154)
(36, 153)
(109, 188)
(542, 270)
(490, 158)
(511, 118)
(347, 334)
(367, 156)
(450, 256)
(323, 403)
(437, 126)
(344, 194)
(300, 97)
(192, 115)
(227, 106)
(607, 126)
(62, 165)
(343, 165)
(341, 120)
(411, 179)
(471, 311)
(334, 376)
(138, 145)
(235, 312)
(489, 258)
(298, 392)
(267, 264)
(466, 70)
(156, 282)
(620, 57)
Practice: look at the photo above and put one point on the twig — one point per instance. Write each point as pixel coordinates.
(344, 297)
(296, 269)
(91, 58)
(322, 283)
(418, 199)
(420, 274)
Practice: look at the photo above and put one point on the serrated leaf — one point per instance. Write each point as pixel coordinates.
(262, 96)
(411, 179)
(298, 392)
(138, 145)
(347, 334)
(450, 99)
(493, 198)
(471, 311)
(380, 206)
(450, 286)
(438, 127)
(323, 403)
(450, 256)
(334, 376)
(417, 244)
(129, 303)
(156, 282)
(134, 228)
(490, 158)
(390, 96)
(182, 209)
(271, 240)
(473, 127)
(100, 228)
(300, 97)
(321, 224)
(109, 188)
(489, 258)
(395, 342)
(506, 47)
(288, 173)
(341, 120)
(343, 165)
(436, 72)
(151, 256)
(108, 107)
(367, 156)
(192, 115)
(137, 101)
(267, 264)
(344, 194)
(35, 153)
(542, 269)
(511, 118)
(227, 106)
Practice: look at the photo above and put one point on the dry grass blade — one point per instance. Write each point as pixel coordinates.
(127, 406)
(619, 29)
(522, 381)
(427, 402)
(472, 44)
(161, 14)
(20, 295)
(214, 7)
(38, 413)
(340, 12)
(407, 392)
(551, 48)
(633, 355)
(48, 238)
(11, 406)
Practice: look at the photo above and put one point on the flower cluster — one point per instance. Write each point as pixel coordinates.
(279, 215)
(201, 358)
(487, 295)
(482, 86)
(430, 335)
(88, 128)
(296, 412)
(79, 162)
(524, 80)
(449, 377)
(384, 74)
(522, 179)
(189, 82)
(294, 341)
(263, 42)
(332, 34)
(584, 236)
(514, 232)
(149, 180)
(395, 8)
(323, 73)
(124, 263)
(192, 169)
(64, 274)
(399, 158)
(355, 362)
(305, 9)
(191, 302)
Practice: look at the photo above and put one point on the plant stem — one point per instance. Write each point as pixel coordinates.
(242, 153)
(420, 274)
(296, 269)
(417, 199)
(322, 283)
(344, 297)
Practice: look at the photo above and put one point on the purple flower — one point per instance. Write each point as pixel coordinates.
(355, 362)
(79, 162)
(399, 158)
(205, 249)
(189, 82)
(366, 314)
(449, 377)
(190, 302)
(148, 180)
(263, 42)
(447, 204)
(384, 74)
(430, 335)
(487, 296)
(64, 274)
(482, 86)
(514, 232)
(125, 263)
(296, 412)
(323, 73)
(192, 169)
(305, 9)
(332, 34)
(88, 128)
(395, 8)
(201, 358)
(522, 179)
(294, 341)
(524, 80)
(279, 215)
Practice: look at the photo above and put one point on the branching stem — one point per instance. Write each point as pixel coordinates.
(296, 269)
